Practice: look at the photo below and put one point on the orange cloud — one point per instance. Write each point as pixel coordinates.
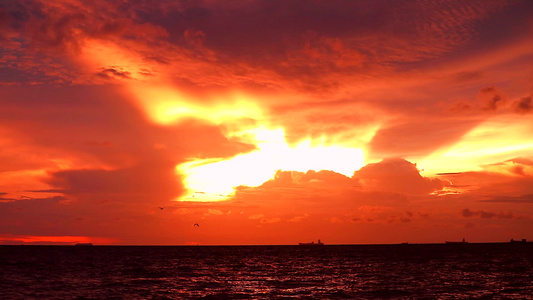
(395, 175)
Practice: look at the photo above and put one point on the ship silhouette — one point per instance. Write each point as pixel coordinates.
(319, 243)
(461, 242)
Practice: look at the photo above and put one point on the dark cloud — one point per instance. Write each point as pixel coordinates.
(467, 213)
(522, 161)
(33, 215)
(524, 105)
(491, 99)
(12, 75)
(10, 199)
(304, 44)
(111, 73)
(4, 199)
(449, 174)
(417, 138)
(99, 122)
(285, 23)
(395, 175)
(460, 107)
(310, 178)
(63, 26)
(41, 37)
(149, 181)
(53, 191)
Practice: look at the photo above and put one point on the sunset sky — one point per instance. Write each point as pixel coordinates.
(265, 122)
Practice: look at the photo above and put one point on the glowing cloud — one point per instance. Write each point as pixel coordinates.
(210, 176)
(165, 105)
(494, 140)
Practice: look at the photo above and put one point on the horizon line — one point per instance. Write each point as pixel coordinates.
(251, 245)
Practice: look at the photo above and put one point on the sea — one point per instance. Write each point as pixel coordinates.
(411, 271)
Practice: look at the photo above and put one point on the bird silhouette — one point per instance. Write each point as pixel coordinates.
(196, 224)
(161, 208)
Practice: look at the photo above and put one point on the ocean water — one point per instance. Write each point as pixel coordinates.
(469, 271)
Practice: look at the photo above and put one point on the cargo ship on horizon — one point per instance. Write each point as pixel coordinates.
(461, 242)
(319, 243)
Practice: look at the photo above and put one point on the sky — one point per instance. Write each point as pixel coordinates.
(265, 122)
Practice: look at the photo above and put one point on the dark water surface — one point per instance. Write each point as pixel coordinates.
(470, 271)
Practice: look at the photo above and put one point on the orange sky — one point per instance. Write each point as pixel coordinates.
(265, 122)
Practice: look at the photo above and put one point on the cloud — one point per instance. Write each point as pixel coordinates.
(323, 178)
(387, 192)
(518, 166)
(522, 160)
(66, 25)
(149, 181)
(270, 220)
(112, 73)
(467, 213)
(37, 216)
(491, 98)
(524, 105)
(512, 178)
(397, 176)
(417, 138)
(194, 37)
(312, 55)
(214, 212)
(93, 149)
(99, 124)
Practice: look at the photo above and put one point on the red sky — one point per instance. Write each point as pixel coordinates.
(265, 122)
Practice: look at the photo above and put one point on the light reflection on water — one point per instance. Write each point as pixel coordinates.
(268, 272)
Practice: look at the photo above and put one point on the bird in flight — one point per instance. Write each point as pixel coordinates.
(196, 224)
(161, 208)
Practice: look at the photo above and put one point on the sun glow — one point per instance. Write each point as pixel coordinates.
(165, 105)
(215, 179)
